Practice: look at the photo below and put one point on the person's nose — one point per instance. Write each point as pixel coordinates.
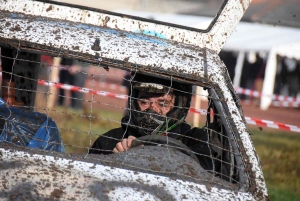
(150, 105)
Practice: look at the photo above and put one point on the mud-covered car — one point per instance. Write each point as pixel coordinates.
(167, 171)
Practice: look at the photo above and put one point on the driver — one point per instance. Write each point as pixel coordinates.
(157, 107)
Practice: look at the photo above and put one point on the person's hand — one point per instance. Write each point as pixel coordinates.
(124, 145)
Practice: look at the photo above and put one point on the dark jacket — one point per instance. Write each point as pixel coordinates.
(196, 139)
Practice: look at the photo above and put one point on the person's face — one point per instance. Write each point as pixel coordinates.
(160, 103)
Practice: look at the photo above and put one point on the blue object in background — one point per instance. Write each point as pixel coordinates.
(31, 129)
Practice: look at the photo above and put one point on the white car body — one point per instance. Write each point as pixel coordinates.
(189, 54)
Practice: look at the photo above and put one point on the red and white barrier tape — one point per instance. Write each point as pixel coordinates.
(272, 124)
(278, 100)
(259, 122)
(83, 90)
(274, 97)
(275, 103)
(285, 104)
(253, 121)
(199, 111)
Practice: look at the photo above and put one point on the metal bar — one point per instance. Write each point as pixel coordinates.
(213, 39)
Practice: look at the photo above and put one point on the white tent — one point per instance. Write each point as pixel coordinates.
(251, 37)
(289, 50)
(261, 37)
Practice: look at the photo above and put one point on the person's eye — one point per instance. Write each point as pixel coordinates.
(144, 102)
(163, 104)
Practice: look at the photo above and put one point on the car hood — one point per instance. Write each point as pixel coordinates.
(35, 174)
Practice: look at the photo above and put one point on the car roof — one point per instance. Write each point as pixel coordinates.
(153, 39)
(115, 40)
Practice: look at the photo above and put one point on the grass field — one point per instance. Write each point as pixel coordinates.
(79, 131)
(279, 152)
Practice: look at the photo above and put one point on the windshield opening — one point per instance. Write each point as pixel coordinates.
(83, 109)
(188, 13)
